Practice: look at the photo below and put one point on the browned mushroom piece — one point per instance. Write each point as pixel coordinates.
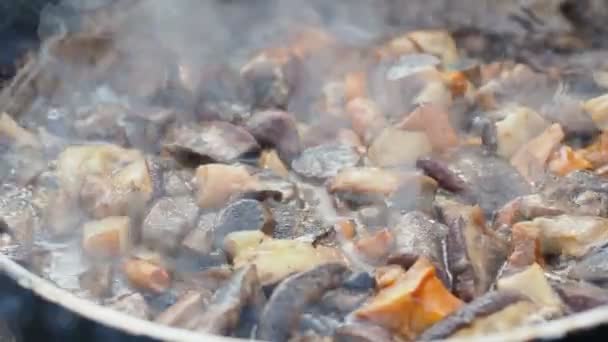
(490, 181)
(245, 214)
(417, 235)
(185, 310)
(169, 220)
(495, 311)
(325, 161)
(270, 76)
(278, 130)
(223, 312)
(592, 268)
(474, 253)
(290, 298)
(209, 142)
(580, 296)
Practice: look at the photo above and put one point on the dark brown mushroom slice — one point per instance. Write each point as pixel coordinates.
(223, 95)
(97, 280)
(416, 234)
(490, 306)
(342, 301)
(213, 141)
(474, 253)
(225, 307)
(209, 279)
(244, 214)
(592, 267)
(276, 129)
(581, 296)
(200, 239)
(289, 299)
(362, 332)
(439, 171)
(168, 222)
(490, 180)
(325, 161)
(186, 309)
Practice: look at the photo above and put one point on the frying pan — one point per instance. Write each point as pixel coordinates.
(35, 309)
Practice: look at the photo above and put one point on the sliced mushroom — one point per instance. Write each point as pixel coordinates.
(125, 192)
(570, 235)
(531, 282)
(388, 149)
(242, 215)
(216, 183)
(366, 119)
(592, 267)
(598, 110)
(578, 193)
(77, 162)
(168, 221)
(490, 181)
(200, 239)
(278, 130)
(133, 304)
(325, 161)
(474, 254)
(185, 310)
(520, 124)
(581, 296)
(210, 142)
(146, 275)
(224, 309)
(107, 237)
(531, 159)
(440, 172)
(276, 259)
(418, 235)
(414, 302)
(495, 311)
(290, 298)
(436, 42)
(435, 122)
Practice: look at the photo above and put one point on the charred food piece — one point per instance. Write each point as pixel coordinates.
(290, 298)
